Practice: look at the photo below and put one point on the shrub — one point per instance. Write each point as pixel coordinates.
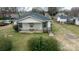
(15, 27)
(43, 44)
(5, 44)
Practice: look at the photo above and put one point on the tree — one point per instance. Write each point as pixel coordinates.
(7, 11)
(75, 11)
(38, 10)
(67, 12)
(11, 11)
(53, 10)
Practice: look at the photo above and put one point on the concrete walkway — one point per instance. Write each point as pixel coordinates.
(51, 34)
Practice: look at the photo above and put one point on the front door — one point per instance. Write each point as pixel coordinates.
(44, 26)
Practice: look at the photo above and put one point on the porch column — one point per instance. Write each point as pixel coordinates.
(49, 26)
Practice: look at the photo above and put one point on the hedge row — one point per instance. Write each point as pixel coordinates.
(43, 44)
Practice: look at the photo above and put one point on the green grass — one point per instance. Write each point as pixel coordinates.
(55, 27)
(5, 44)
(73, 28)
(18, 39)
(43, 44)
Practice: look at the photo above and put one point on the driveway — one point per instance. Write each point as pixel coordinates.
(5, 27)
(68, 40)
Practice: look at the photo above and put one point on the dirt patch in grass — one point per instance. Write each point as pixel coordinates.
(68, 41)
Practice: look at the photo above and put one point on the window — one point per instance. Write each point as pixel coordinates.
(44, 24)
(31, 24)
(20, 25)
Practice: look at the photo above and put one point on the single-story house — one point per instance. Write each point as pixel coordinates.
(34, 23)
(61, 13)
(71, 20)
(62, 19)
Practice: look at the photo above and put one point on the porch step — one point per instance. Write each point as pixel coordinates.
(51, 34)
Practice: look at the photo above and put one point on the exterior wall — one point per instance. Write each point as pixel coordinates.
(49, 26)
(77, 21)
(71, 20)
(37, 27)
(58, 19)
(61, 20)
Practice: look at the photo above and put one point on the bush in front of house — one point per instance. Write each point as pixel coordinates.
(43, 44)
(5, 44)
(15, 27)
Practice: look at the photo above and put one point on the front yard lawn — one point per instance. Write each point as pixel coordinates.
(18, 39)
(68, 36)
(73, 28)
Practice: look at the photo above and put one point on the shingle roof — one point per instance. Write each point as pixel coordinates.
(37, 16)
(63, 17)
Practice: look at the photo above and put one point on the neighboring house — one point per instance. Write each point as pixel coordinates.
(77, 21)
(71, 20)
(34, 23)
(61, 13)
(62, 19)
